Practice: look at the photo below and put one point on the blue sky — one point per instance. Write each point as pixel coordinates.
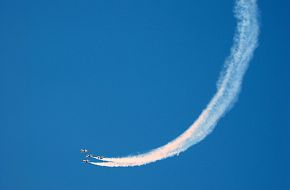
(122, 77)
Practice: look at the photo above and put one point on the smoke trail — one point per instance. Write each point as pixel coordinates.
(228, 87)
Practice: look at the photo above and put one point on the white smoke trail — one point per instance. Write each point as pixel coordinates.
(228, 87)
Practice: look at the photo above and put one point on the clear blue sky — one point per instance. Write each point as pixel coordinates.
(121, 77)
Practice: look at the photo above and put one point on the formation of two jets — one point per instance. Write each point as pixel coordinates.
(90, 156)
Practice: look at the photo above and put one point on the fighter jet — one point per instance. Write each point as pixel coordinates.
(89, 156)
(85, 161)
(100, 157)
(93, 156)
(83, 150)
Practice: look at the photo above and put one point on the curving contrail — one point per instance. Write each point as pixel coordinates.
(228, 87)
